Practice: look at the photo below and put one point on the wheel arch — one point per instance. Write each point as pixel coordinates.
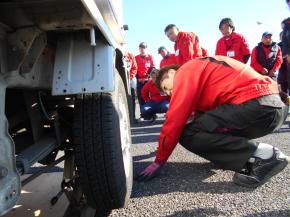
(122, 70)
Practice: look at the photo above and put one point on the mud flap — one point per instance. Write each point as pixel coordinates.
(10, 185)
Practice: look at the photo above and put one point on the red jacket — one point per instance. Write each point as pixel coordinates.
(150, 92)
(170, 59)
(235, 47)
(144, 63)
(186, 47)
(258, 67)
(133, 64)
(204, 84)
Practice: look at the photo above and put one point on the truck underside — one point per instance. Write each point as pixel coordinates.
(64, 87)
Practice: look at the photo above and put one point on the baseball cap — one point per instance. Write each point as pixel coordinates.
(143, 45)
(266, 33)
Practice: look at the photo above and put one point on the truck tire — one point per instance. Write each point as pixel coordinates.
(102, 142)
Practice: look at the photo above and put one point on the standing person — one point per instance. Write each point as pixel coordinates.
(167, 57)
(132, 65)
(283, 76)
(155, 101)
(144, 63)
(266, 57)
(186, 46)
(218, 105)
(232, 44)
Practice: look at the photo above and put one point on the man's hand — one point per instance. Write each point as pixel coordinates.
(149, 173)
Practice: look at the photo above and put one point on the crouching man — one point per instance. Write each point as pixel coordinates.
(217, 106)
(155, 101)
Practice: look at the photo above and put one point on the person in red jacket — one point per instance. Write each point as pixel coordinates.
(144, 63)
(186, 46)
(232, 44)
(132, 66)
(266, 58)
(155, 101)
(218, 105)
(167, 58)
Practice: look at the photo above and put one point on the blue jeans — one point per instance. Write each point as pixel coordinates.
(151, 108)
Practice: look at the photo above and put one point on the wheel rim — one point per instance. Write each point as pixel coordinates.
(125, 136)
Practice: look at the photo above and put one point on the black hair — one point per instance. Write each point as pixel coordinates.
(170, 26)
(163, 73)
(161, 48)
(227, 21)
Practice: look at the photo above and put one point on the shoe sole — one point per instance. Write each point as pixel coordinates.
(274, 172)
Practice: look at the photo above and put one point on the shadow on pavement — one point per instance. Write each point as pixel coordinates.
(201, 212)
(145, 132)
(144, 139)
(144, 156)
(283, 130)
(182, 177)
(276, 213)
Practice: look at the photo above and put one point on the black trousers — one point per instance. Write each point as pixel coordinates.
(223, 135)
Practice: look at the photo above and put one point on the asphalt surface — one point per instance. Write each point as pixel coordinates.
(187, 186)
(191, 186)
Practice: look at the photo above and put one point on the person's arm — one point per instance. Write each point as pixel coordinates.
(134, 68)
(254, 62)
(186, 94)
(279, 61)
(145, 92)
(187, 47)
(245, 50)
(204, 52)
(217, 50)
(161, 64)
(152, 65)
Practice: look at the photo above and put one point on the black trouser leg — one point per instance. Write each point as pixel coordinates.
(231, 150)
(139, 88)
(133, 95)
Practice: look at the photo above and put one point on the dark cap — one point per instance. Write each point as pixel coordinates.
(266, 33)
(143, 45)
(227, 21)
(161, 48)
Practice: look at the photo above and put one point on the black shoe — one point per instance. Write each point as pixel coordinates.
(257, 173)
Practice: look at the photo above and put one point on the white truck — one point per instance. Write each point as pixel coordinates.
(64, 88)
